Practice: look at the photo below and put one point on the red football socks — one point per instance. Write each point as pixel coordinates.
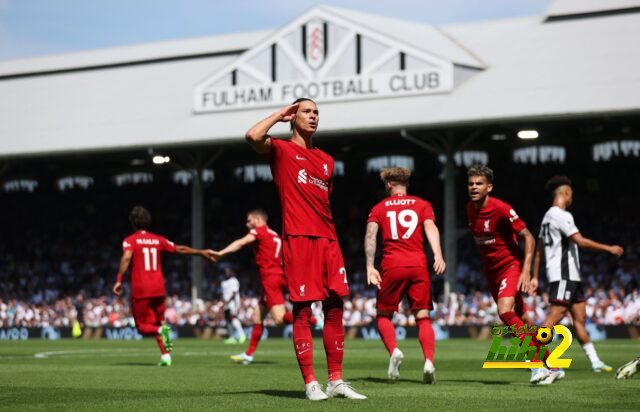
(288, 319)
(147, 329)
(333, 337)
(256, 335)
(511, 319)
(387, 333)
(427, 337)
(163, 350)
(302, 340)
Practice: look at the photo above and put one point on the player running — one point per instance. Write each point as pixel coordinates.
(560, 239)
(231, 300)
(313, 262)
(496, 227)
(268, 250)
(401, 220)
(147, 280)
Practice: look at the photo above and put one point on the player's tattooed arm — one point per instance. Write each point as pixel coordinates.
(373, 276)
(529, 248)
(537, 259)
(257, 136)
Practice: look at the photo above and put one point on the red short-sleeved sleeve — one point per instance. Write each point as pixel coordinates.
(167, 245)
(374, 216)
(427, 212)
(508, 213)
(127, 245)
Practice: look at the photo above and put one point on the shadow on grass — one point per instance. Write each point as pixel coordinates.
(272, 392)
(483, 381)
(263, 362)
(373, 379)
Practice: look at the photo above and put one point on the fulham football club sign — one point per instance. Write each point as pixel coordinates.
(327, 57)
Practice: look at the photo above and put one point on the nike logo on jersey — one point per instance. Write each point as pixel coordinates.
(300, 158)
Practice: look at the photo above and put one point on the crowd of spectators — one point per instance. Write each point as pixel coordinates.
(59, 264)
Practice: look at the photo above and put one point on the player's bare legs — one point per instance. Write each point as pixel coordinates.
(427, 339)
(579, 314)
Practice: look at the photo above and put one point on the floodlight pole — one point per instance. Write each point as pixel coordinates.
(445, 145)
(197, 232)
(450, 219)
(197, 213)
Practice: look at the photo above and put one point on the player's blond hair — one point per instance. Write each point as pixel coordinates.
(395, 175)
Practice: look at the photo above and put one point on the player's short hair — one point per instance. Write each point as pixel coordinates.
(479, 169)
(140, 218)
(555, 182)
(300, 100)
(396, 175)
(259, 212)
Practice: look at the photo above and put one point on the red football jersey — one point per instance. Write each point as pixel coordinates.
(400, 218)
(268, 248)
(304, 179)
(494, 229)
(147, 280)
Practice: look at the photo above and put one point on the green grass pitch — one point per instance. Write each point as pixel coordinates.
(118, 375)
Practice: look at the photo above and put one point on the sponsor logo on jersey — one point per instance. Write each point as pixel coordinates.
(514, 216)
(302, 176)
(484, 240)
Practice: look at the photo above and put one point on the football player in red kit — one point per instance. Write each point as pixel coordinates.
(313, 262)
(403, 222)
(147, 280)
(496, 227)
(268, 249)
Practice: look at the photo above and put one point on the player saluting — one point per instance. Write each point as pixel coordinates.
(268, 248)
(147, 280)
(560, 239)
(495, 227)
(402, 220)
(313, 261)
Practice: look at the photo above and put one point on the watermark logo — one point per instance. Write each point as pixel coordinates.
(520, 351)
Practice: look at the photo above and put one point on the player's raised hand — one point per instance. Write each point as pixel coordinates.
(439, 265)
(117, 289)
(533, 287)
(616, 250)
(289, 113)
(524, 282)
(373, 277)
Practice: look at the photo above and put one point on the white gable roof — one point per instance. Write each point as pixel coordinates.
(559, 8)
(421, 36)
(534, 70)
